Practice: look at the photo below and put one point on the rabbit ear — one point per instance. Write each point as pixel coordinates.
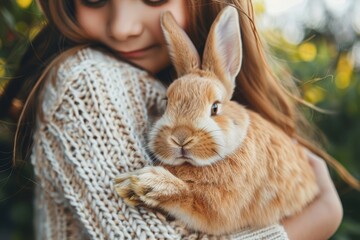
(223, 48)
(183, 53)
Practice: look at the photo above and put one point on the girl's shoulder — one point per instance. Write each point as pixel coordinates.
(94, 74)
(92, 65)
(85, 59)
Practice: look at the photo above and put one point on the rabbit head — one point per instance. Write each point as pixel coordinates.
(200, 124)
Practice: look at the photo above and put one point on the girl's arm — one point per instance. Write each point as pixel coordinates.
(323, 216)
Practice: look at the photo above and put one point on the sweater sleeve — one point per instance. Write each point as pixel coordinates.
(91, 127)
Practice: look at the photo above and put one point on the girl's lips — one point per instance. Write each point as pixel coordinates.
(137, 53)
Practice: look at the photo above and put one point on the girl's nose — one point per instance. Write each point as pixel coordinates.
(124, 23)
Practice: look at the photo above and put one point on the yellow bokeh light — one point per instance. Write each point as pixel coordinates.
(307, 51)
(344, 70)
(345, 64)
(24, 3)
(2, 67)
(314, 94)
(259, 7)
(342, 80)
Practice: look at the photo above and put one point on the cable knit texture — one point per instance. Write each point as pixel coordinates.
(92, 125)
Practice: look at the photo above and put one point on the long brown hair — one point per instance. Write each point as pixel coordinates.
(257, 86)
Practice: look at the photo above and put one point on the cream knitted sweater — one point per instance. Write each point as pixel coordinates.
(92, 126)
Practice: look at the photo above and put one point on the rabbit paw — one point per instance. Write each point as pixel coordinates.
(150, 186)
(123, 188)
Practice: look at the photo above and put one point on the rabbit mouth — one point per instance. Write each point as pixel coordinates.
(184, 159)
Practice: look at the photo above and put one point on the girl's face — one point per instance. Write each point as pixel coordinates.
(131, 28)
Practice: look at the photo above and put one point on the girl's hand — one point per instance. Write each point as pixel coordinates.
(323, 216)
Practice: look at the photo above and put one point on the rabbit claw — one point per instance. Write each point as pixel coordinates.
(124, 190)
(149, 186)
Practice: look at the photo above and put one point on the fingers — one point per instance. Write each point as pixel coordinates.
(321, 171)
(318, 164)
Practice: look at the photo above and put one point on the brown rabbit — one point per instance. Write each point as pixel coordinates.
(222, 167)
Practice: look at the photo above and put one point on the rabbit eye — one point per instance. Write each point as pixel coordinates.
(215, 108)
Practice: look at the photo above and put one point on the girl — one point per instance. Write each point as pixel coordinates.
(90, 84)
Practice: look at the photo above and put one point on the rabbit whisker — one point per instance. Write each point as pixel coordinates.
(217, 153)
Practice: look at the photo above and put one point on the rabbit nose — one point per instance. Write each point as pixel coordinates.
(181, 136)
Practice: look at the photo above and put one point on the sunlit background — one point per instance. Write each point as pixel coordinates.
(318, 41)
(313, 32)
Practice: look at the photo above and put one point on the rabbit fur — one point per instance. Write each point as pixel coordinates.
(222, 168)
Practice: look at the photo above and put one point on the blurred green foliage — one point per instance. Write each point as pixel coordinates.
(328, 77)
(18, 26)
(20, 21)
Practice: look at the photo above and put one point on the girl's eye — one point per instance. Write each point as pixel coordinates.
(94, 3)
(215, 108)
(155, 2)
